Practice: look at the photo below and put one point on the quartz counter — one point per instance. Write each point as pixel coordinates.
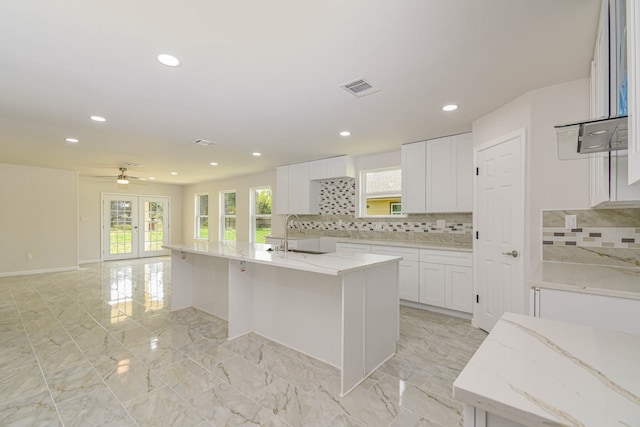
(584, 278)
(540, 372)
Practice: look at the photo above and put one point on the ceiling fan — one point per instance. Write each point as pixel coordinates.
(122, 177)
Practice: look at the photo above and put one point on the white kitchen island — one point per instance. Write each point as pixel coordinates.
(342, 309)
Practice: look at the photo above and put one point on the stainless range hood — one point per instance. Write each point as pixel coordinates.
(594, 136)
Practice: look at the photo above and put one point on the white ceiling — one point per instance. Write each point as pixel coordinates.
(264, 76)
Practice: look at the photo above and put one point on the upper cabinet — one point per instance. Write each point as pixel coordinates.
(612, 174)
(633, 69)
(297, 187)
(295, 192)
(333, 167)
(437, 175)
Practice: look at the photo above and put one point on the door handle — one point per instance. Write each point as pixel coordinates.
(513, 253)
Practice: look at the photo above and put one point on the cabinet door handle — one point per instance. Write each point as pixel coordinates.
(513, 253)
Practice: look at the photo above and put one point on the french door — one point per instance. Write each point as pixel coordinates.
(134, 226)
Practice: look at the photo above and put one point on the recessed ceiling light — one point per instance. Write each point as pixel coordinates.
(98, 119)
(256, 154)
(152, 178)
(345, 133)
(72, 140)
(168, 60)
(450, 107)
(213, 164)
(174, 173)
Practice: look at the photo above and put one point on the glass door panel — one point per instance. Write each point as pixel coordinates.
(154, 211)
(120, 226)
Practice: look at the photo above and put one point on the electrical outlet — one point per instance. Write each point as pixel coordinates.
(378, 226)
(570, 221)
(29, 256)
(441, 223)
(340, 223)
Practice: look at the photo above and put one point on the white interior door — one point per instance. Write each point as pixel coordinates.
(499, 218)
(134, 226)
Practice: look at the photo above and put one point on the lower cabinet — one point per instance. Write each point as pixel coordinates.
(408, 270)
(446, 279)
(599, 311)
(439, 278)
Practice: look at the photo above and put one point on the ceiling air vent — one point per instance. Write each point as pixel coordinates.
(359, 88)
(204, 142)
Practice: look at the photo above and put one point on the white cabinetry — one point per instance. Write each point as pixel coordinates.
(610, 173)
(413, 177)
(333, 167)
(449, 180)
(439, 278)
(437, 175)
(408, 271)
(295, 192)
(633, 69)
(446, 279)
(599, 311)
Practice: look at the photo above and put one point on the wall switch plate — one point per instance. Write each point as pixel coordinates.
(440, 223)
(570, 221)
(378, 226)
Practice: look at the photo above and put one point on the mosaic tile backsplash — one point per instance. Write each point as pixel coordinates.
(602, 236)
(337, 219)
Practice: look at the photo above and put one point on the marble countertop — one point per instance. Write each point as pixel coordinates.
(331, 263)
(442, 247)
(594, 279)
(543, 372)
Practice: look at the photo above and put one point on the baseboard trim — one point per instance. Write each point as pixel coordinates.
(89, 261)
(441, 310)
(39, 271)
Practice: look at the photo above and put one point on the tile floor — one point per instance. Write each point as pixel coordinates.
(99, 346)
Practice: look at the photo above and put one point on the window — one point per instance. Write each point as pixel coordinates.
(260, 214)
(380, 192)
(228, 215)
(202, 216)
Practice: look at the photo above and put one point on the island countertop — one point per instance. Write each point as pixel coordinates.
(618, 282)
(335, 263)
(544, 372)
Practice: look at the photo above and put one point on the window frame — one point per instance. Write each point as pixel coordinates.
(224, 216)
(362, 192)
(253, 215)
(197, 216)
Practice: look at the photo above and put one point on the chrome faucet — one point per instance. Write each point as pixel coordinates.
(286, 230)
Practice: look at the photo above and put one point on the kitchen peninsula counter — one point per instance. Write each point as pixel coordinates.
(340, 308)
(539, 372)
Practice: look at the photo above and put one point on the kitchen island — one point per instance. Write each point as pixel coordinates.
(539, 372)
(342, 309)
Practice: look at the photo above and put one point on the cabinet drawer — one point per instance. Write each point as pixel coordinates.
(463, 259)
(407, 254)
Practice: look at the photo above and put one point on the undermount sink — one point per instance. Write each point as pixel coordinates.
(304, 251)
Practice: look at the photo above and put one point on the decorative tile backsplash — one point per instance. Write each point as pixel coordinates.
(337, 219)
(603, 236)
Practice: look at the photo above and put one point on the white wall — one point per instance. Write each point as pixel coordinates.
(242, 186)
(550, 183)
(38, 216)
(90, 210)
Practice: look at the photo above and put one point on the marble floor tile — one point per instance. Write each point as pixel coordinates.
(131, 379)
(224, 405)
(98, 408)
(20, 382)
(188, 378)
(36, 410)
(110, 357)
(163, 407)
(73, 382)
